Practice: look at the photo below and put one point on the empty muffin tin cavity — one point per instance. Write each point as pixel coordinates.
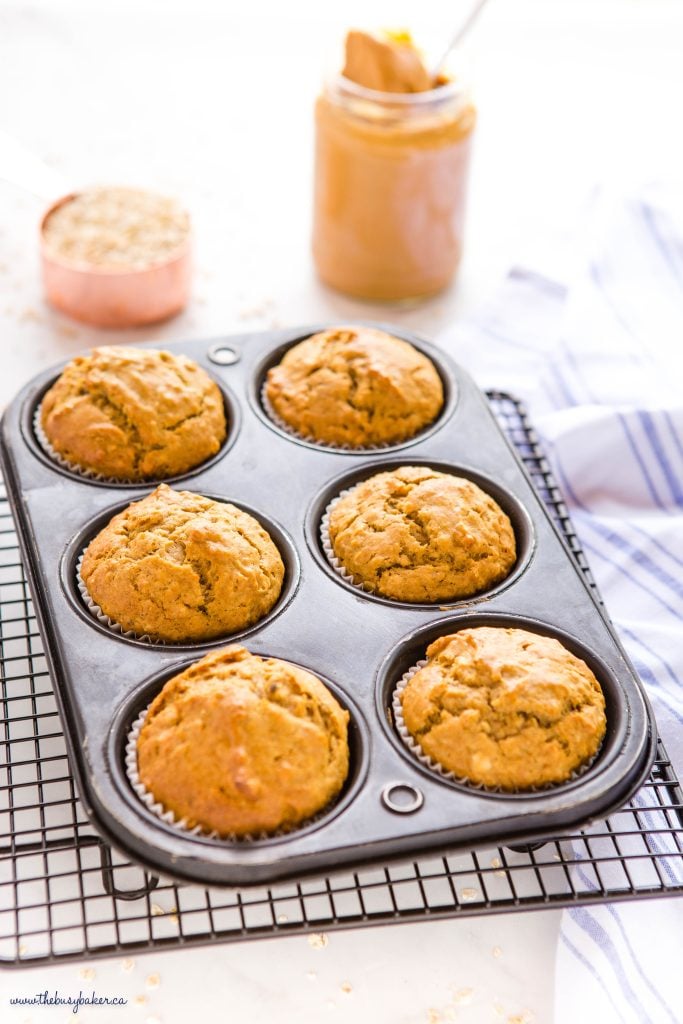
(76, 590)
(320, 544)
(124, 726)
(263, 408)
(39, 443)
(410, 654)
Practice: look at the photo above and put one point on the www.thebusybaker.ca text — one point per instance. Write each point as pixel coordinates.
(75, 1002)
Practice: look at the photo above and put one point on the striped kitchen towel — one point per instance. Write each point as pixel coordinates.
(598, 358)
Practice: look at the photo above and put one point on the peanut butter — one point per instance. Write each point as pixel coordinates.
(387, 62)
(390, 177)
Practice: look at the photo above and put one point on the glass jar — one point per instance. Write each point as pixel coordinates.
(390, 184)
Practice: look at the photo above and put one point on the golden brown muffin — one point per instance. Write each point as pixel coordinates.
(414, 534)
(355, 386)
(240, 744)
(134, 414)
(505, 708)
(181, 567)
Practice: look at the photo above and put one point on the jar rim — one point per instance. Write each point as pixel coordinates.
(428, 97)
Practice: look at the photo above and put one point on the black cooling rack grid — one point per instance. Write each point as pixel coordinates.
(65, 894)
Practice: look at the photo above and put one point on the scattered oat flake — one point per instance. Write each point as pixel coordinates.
(525, 1017)
(496, 862)
(498, 1007)
(87, 972)
(346, 987)
(282, 918)
(127, 965)
(497, 951)
(433, 1017)
(469, 894)
(65, 331)
(30, 316)
(140, 1000)
(23, 948)
(463, 997)
(318, 940)
(153, 981)
(157, 911)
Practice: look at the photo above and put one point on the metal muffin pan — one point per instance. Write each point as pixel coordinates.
(391, 806)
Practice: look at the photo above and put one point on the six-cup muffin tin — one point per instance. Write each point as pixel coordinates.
(357, 643)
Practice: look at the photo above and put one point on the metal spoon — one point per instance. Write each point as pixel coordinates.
(460, 34)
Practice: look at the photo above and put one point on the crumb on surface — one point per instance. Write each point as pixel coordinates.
(468, 894)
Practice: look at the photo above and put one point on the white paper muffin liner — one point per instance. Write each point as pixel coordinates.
(104, 620)
(419, 754)
(88, 474)
(326, 542)
(148, 799)
(279, 422)
(169, 818)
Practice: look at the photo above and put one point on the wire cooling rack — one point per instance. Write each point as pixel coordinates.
(66, 894)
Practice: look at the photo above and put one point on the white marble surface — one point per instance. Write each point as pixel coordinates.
(214, 103)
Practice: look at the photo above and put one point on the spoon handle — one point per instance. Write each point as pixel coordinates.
(460, 34)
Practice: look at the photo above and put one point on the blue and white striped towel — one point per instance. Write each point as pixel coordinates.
(598, 358)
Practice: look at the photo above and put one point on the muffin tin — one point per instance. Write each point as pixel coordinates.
(359, 644)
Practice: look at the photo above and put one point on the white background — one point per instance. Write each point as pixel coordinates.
(213, 102)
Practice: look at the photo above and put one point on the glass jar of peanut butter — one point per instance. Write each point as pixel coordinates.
(390, 181)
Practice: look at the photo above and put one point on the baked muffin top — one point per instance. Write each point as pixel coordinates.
(505, 708)
(134, 414)
(241, 744)
(181, 567)
(415, 534)
(355, 386)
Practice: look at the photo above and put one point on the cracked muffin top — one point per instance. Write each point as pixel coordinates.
(179, 567)
(505, 708)
(240, 744)
(134, 414)
(415, 534)
(355, 386)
